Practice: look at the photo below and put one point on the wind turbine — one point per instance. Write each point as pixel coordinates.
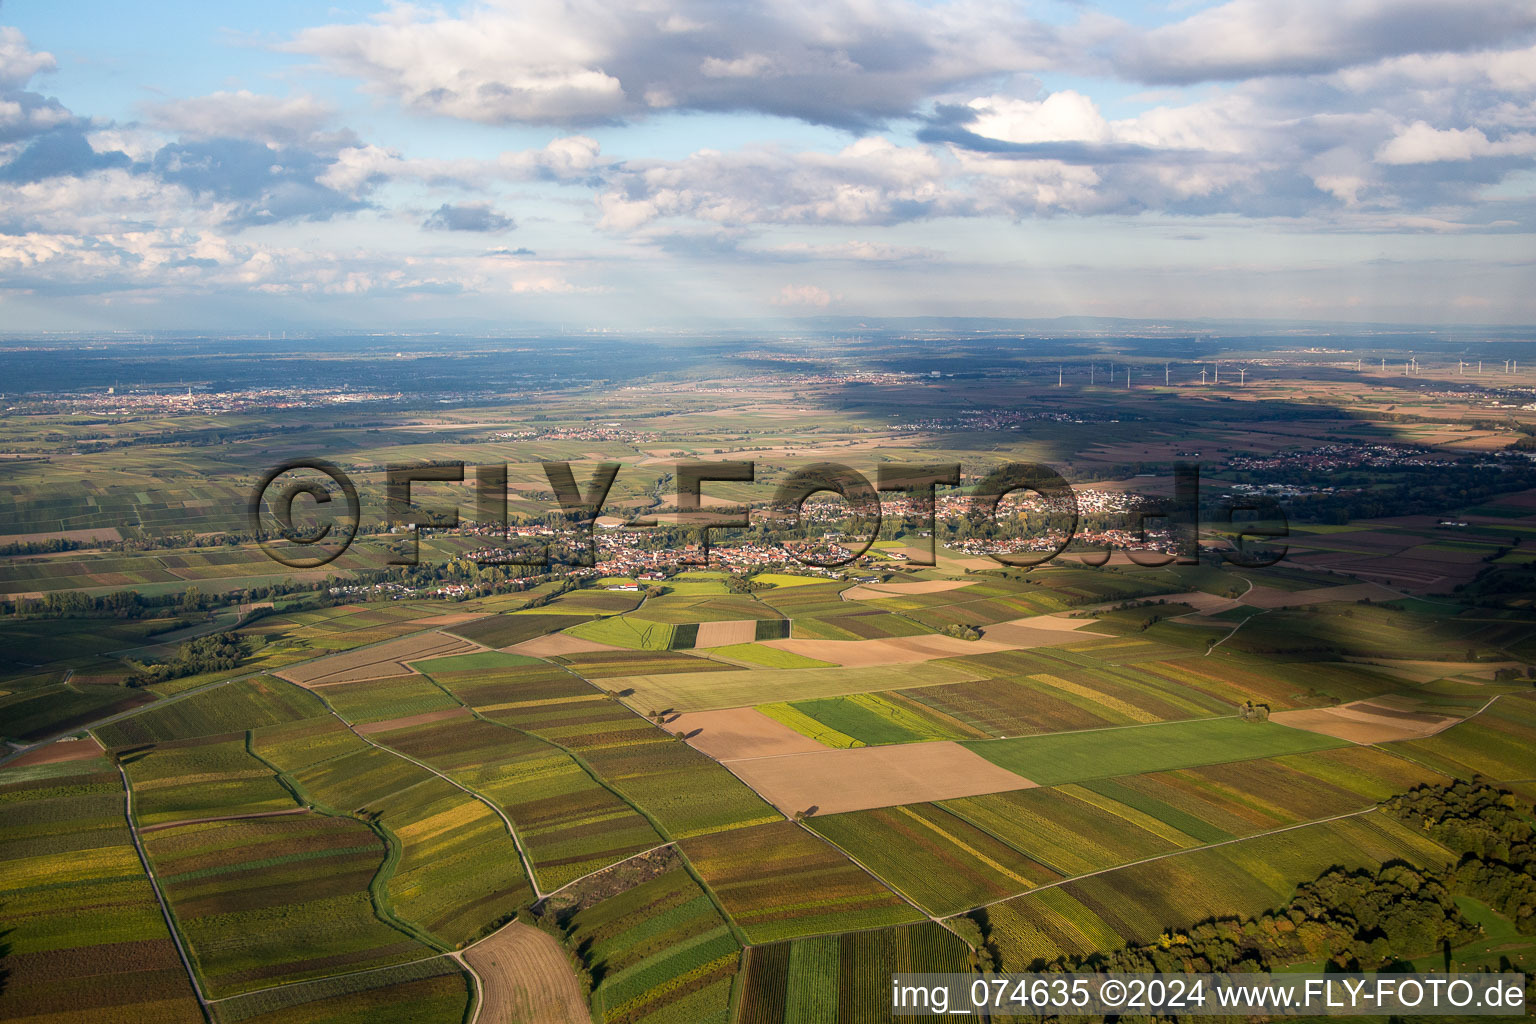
(1165, 375)
(1242, 377)
(1058, 376)
(1218, 374)
(1202, 375)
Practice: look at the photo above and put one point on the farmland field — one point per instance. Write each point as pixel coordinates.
(667, 954)
(937, 859)
(277, 899)
(841, 978)
(1135, 904)
(85, 937)
(778, 881)
(1101, 753)
(638, 789)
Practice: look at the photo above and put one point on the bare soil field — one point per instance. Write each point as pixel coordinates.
(380, 661)
(410, 720)
(724, 634)
(875, 591)
(739, 732)
(1364, 722)
(553, 645)
(1039, 631)
(526, 978)
(63, 750)
(833, 781)
(896, 650)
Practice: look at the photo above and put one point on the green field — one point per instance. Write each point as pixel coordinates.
(665, 952)
(935, 858)
(1103, 753)
(778, 881)
(85, 939)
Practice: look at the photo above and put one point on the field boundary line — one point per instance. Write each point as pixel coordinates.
(326, 977)
(154, 884)
(477, 987)
(394, 851)
(517, 843)
(157, 826)
(891, 886)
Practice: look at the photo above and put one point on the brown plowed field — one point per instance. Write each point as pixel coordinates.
(875, 591)
(740, 732)
(834, 781)
(58, 751)
(525, 978)
(380, 661)
(723, 634)
(1364, 722)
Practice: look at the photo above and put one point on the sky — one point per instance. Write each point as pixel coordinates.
(674, 163)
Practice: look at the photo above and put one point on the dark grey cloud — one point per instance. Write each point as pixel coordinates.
(1244, 39)
(468, 217)
(835, 62)
(265, 184)
(61, 153)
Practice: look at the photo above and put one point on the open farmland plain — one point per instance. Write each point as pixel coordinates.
(644, 792)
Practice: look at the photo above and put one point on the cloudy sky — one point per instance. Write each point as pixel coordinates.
(668, 162)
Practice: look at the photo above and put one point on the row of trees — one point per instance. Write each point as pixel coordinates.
(213, 653)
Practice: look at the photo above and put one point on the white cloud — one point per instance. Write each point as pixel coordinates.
(1060, 117)
(1421, 143)
(277, 120)
(19, 63)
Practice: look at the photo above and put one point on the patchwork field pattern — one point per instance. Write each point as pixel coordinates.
(429, 989)
(938, 860)
(269, 900)
(232, 707)
(711, 689)
(844, 978)
(778, 881)
(568, 822)
(1137, 903)
(1102, 753)
(874, 718)
(666, 954)
(201, 778)
(506, 630)
(1499, 743)
(686, 792)
(87, 939)
(454, 870)
(378, 661)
